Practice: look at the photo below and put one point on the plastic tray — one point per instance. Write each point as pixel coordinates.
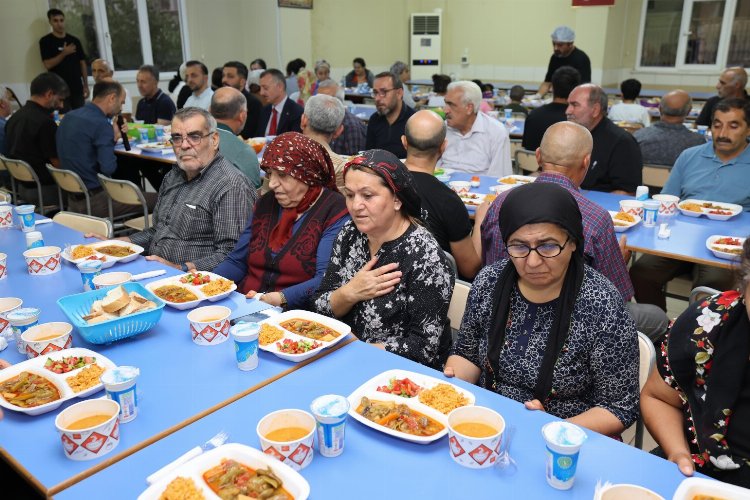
(620, 229)
(109, 260)
(78, 305)
(723, 251)
(342, 328)
(196, 289)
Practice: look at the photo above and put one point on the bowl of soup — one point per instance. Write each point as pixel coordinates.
(209, 325)
(287, 435)
(46, 338)
(89, 429)
(107, 280)
(41, 261)
(475, 436)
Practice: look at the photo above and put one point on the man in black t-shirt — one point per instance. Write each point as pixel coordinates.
(731, 83)
(234, 74)
(565, 54)
(447, 218)
(564, 80)
(63, 54)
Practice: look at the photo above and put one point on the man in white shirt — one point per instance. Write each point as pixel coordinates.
(100, 69)
(196, 78)
(477, 143)
(628, 110)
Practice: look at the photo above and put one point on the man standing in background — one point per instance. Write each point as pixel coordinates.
(63, 54)
(565, 53)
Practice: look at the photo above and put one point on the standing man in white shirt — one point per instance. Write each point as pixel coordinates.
(196, 78)
(477, 143)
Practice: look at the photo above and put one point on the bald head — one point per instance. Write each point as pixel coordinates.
(675, 106)
(227, 103)
(566, 148)
(737, 75)
(425, 134)
(732, 83)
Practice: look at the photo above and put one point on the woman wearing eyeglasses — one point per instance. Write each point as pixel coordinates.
(544, 328)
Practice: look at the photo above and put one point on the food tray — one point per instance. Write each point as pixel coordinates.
(196, 289)
(291, 480)
(472, 199)
(156, 147)
(276, 321)
(620, 229)
(109, 260)
(36, 366)
(369, 389)
(79, 305)
(693, 487)
(516, 180)
(731, 207)
(723, 251)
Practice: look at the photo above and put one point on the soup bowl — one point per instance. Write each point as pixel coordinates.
(667, 203)
(45, 338)
(293, 449)
(472, 449)
(209, 325)
(43, 260)
(107, 280)
(92, 441)
(626, 492)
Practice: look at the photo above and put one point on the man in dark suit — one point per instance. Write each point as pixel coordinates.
(234, 74)
(281, 114)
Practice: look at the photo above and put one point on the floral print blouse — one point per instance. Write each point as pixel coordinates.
(411, 321)
(598, 365)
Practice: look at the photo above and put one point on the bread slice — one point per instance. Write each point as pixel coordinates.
(100, 318)
(116, 299)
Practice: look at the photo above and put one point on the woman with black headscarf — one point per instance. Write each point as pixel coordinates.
(388, 278)
(543, 327)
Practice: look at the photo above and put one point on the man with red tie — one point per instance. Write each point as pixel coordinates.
(281, 114)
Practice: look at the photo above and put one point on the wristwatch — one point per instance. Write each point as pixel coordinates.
(184, 268)
(284, 303)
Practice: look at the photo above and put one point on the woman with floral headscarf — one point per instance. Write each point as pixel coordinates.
(696, 404)
(285, 248)
(388, 278)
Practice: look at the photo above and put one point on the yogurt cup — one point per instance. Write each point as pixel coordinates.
(8, 304)
(330, 413)
(22, 319)
(26, 216)
(650, 212)
(90, 269)
(119, 384)
(6, 216)
(3, 268)
(245, 337)
(564, 440)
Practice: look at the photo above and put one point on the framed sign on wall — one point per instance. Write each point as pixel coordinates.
(297, 4)
(584, 3)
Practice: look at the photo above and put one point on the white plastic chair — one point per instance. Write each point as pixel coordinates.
(646, 361)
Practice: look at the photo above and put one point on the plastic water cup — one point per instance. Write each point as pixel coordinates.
(641, 193)
(245, 337)
(34, 239)
(702, 129)
(508, 114)
(3, 270)
(26, 216)
(119, 383)
(90, 269)
(159, 132)
(6, 216)
(330, 413)
(144, 135)
(650, 211)
(564, 441)
(21, 320)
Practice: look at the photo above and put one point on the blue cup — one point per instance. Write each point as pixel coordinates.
(245, 337)
(26, 216)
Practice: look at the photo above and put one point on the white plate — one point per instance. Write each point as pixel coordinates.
(369, 389)
(331, 323)
(731, 207)
(693, 486)
(721, 251)
(291, 480)
(155, 146)
(472, 199)
(110, 261)
(196, 289)
(36, 366)
(500, 188)
(518, 179)
(620, 229)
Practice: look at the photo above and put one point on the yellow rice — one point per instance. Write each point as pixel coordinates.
(182, 488)
(269, 334)
(443, 397)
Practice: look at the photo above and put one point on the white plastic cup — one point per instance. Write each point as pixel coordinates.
(7, 305)
(508, 114)
(650, 211)
(34, 239)
(144, 135)
(22, 319)
(330, 413)
(6, 216)
(632, 207)
(245, 337)
(474, 452)
(107, 280)
(702, 129)
(90, 269)
(26, 216)
(626, 492)
(119, 384)
(564, 441)
(92, 442)
(159, 132)
(641, 193)
(3, 269)
(209, 325)
(667, 204)
(297, 453)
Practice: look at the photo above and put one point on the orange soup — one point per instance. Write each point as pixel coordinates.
(210, 320)
(48, 337)
(86, 422)
(286, 434)
(475, 429)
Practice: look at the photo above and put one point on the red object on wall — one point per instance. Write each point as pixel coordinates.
(591, 3)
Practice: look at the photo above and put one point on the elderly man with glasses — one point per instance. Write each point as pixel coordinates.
(386, 127)
(204, 201)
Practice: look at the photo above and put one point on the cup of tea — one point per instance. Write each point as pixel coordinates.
(474, 436)
(209, 325)
(287, 435)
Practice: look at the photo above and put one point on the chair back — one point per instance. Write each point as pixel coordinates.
(84, 223)
(458, 303)
(69, 181)
(656, 175)
(526, 162)
(515, 145)
(452, 262)
(646, 358)
(701, 292)
(20, 170)
(122, 191)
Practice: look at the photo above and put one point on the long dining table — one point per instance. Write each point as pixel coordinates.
(179, 383)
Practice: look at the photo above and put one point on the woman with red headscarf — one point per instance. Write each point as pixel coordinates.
(284, 251)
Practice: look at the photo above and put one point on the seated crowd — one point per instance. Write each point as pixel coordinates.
(348, 220)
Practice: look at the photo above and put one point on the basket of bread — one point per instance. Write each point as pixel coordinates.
(107, 315)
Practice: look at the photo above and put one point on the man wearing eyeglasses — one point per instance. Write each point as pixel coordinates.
(386, 127)
(204, 201)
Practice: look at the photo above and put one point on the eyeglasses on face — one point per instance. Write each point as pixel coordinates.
(381, 93)
(193, 138)
(546, 250)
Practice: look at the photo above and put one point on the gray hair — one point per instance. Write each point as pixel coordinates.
(470, 93)
(192, 111)
(596, 96)
(150, 69)
(398, 67)
(324, 113)
(322, 64)
(229, 108)
(332, 83)
(681, 112)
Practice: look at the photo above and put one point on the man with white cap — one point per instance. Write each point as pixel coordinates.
(565, 54)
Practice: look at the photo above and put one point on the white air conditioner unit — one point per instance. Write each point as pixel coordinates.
(425, 31)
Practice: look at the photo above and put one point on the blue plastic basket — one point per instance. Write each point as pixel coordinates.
(79, 305)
